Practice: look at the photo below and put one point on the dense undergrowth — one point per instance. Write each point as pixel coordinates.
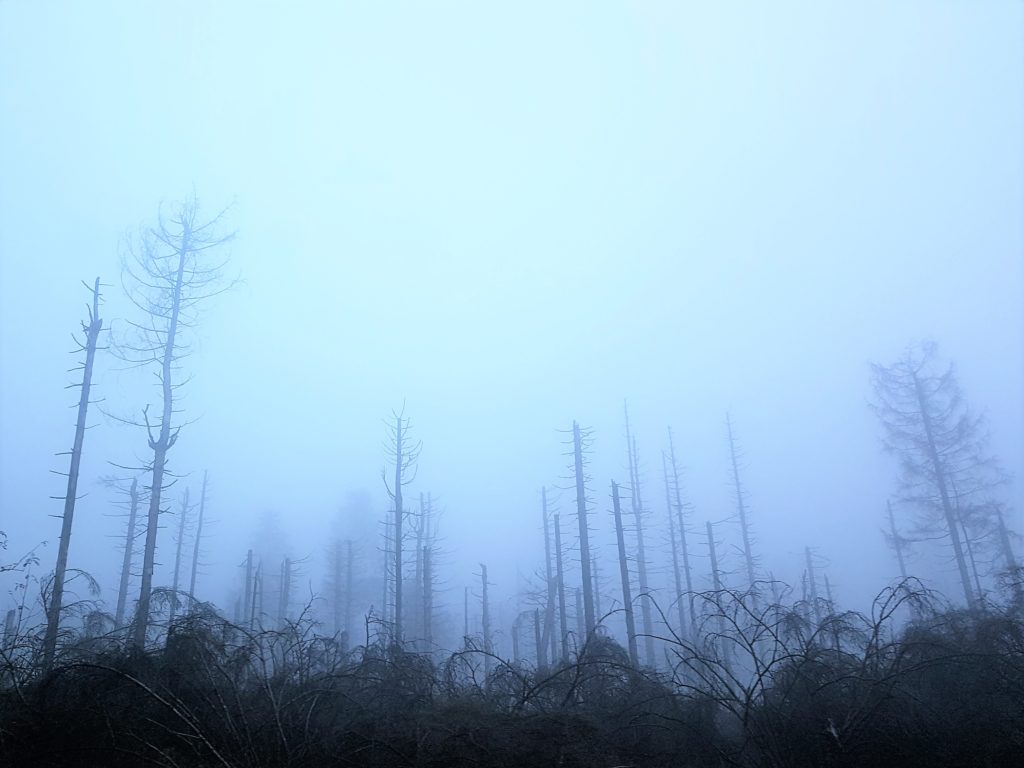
(908, 684)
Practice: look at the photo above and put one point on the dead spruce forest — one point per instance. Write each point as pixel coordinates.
(646, 631)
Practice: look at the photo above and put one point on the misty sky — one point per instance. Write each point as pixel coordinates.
(509, 216)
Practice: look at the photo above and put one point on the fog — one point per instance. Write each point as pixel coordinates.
(505, 219)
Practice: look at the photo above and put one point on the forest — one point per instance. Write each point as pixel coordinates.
(420, 384)
(621, 649)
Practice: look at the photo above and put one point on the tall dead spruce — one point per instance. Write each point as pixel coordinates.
(580, 441)
(168, 273)
(636, 500)
(88, 345)
(946, 471)
(404, 455)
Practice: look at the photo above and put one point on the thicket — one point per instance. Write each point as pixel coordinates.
(911, 683)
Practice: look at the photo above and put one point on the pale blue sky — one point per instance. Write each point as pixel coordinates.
(513, 215)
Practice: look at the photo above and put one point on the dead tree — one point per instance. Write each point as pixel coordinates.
(581, 629)
(946, 471)
(427, 594)
(419, 525)
(538, 643)
(677, 489)
(676, 576)
(636, 500)
(560, 578)
(256, 605)
(129, 550)
(337, 603)
(1013, 568)
(167, 275)
(896, 541)
(88, 346)
(250, 593)
(198, 541)
(347, 632)
(284, 595)
(812, 586)
(716, 581)
(486, 613)
(549, 608)
(404, 457)
(578, 438)
(627, 592)
(515, 639)
(741, 510)
(182, 523)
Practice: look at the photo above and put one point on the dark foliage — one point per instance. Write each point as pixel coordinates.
(946, 690)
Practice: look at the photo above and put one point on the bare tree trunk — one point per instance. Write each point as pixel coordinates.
(676, 576)
(832, 611)
(389, 582)
(398, 530)
(741, 510)
(286, 588)
(636, 501)
(685, 550)
(250, 592)
(177, 557)
(348, 588)
(560, 577)
(979, 592)
(897, 541)
(337, 602)
(515, 641)
(417, 597)
(129, 547)
(257, 590)
(581, 515)
(597, 588)
(92, 333)
(538, 643)
(199, 538)
(581, 629)
(812, 586)
(716, 580)
(488, 649)
(428, 600)
(627, 592)
(1013, 569)
(549, 607)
